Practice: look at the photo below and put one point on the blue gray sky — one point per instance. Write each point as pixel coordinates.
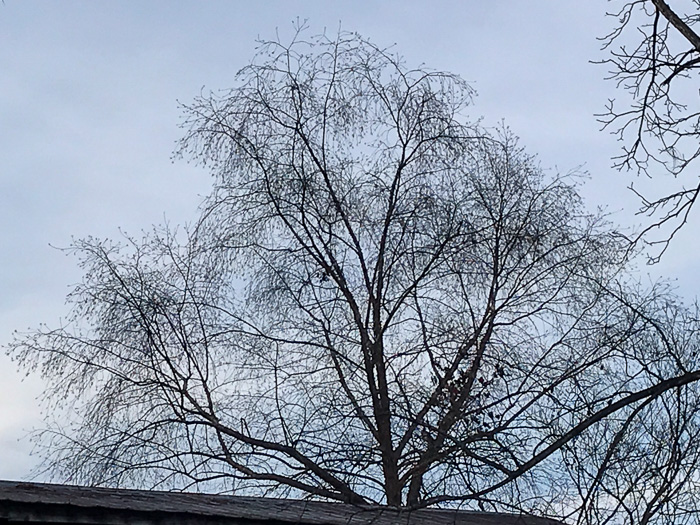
(89, 119)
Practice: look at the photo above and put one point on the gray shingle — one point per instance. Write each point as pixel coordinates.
(47, 503)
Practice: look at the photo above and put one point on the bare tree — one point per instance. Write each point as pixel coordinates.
(382, 302)
(659, 125)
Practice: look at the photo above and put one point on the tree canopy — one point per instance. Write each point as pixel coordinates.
(381, 302)
(654, 55)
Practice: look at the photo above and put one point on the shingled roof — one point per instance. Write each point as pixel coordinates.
(47, 503)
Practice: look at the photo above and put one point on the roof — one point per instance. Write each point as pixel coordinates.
(48, 503)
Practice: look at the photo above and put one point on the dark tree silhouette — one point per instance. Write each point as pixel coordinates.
(659, 124)
(382, 302)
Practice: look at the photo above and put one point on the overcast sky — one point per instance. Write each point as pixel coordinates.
(89, 118)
